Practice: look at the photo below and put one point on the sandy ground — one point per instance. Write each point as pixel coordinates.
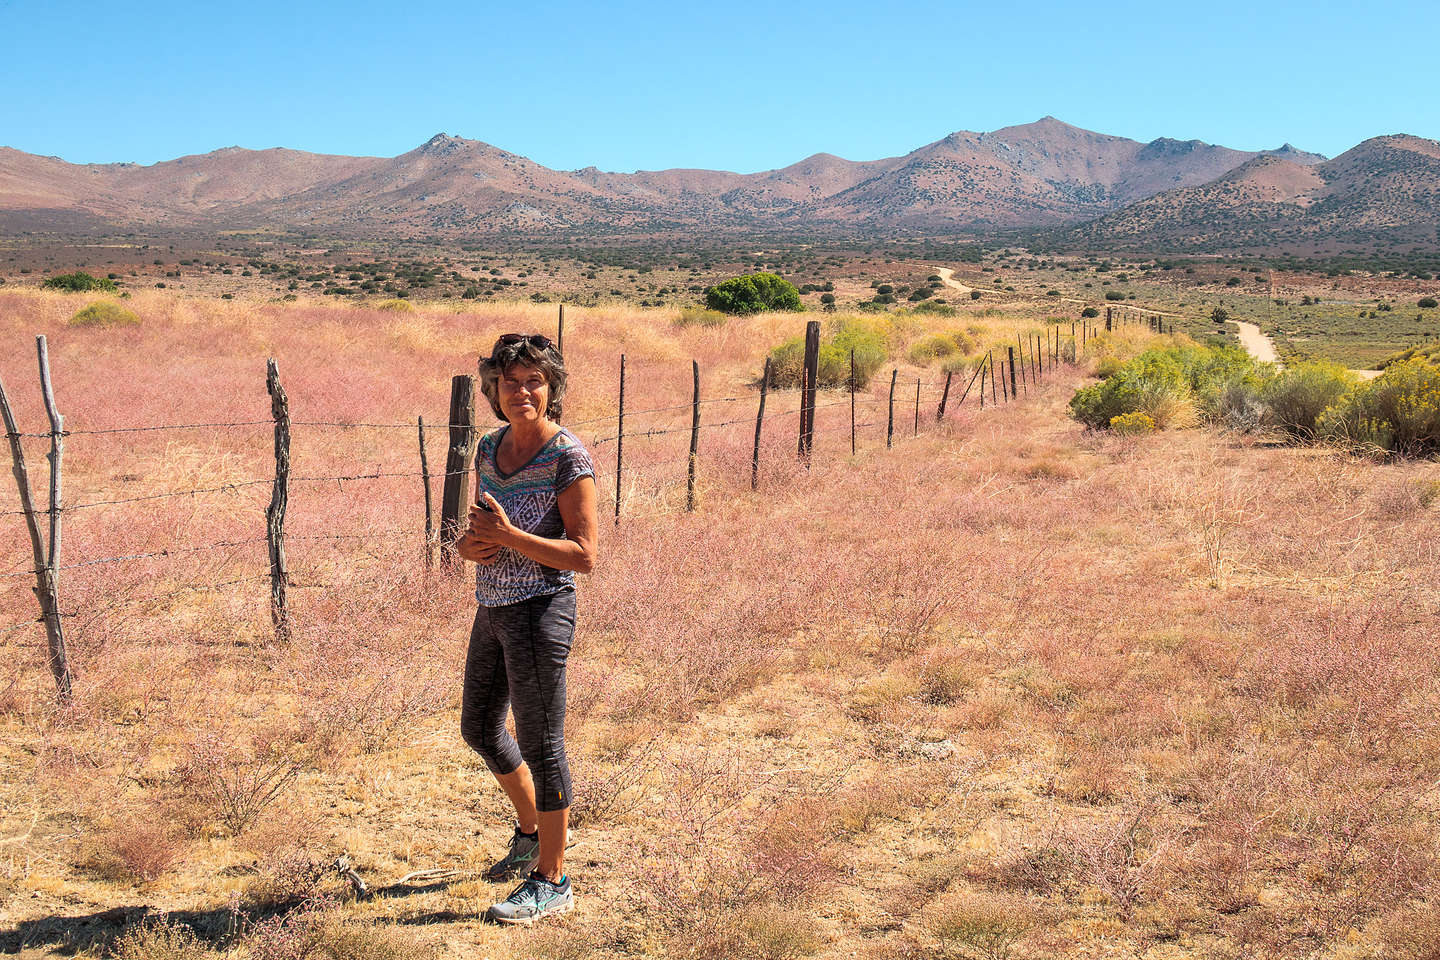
(1256, 343)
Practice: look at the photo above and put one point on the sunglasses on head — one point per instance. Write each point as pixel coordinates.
(534, 339)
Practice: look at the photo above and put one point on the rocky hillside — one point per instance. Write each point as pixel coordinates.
(1386, 190)
(1038, 175)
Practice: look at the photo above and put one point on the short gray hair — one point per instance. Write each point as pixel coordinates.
(534, 350)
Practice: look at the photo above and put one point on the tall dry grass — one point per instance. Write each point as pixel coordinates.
(1007, 687)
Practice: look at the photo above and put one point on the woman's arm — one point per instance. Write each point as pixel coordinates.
(577, 511)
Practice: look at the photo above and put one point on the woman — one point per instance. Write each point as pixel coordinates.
(532, 526)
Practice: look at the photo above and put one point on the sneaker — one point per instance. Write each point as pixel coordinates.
(518, 861)
(536, 897)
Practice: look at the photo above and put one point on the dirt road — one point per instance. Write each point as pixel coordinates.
(947, 276)
(1256, 343)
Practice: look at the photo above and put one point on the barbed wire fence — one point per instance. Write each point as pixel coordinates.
(1019, 368)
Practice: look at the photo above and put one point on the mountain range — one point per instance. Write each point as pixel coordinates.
(1075, 186)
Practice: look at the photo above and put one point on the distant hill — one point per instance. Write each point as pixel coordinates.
(1081, 187)
(1385, 190)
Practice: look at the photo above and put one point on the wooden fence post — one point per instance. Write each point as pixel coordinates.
(1013, 393)
(852, 402)
(560, 332)
(994, 392)
(807, 389)
(620, 440)
(981, 371)
(944, 396)
(890, 429)
(455, 504)
(917, 406)
(46, 587)
(429, 507)
(759, 423)
(279, 499)
(1109, 323)
(694, 437)
(973, 377)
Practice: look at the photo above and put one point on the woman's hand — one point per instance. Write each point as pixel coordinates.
(490, 526)
(477, 551)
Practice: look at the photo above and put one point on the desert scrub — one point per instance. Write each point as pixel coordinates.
(103, 313)
(693, 316)
(1398, 412)
(1296, 397)
(1174, 386)
(395, 306)
(159, 941)
(937, 346)
(867, 338)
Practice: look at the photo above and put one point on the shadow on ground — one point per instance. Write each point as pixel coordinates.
(217, 927)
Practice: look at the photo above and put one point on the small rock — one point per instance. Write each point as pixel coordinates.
(938, 750)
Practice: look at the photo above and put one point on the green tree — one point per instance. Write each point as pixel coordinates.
(752, 293)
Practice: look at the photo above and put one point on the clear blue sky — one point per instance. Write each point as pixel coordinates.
(739, 86)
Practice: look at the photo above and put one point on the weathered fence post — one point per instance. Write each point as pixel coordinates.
(759, 423)
(455, 503)
(890, 429)
(1109, 323)
(1013, 393)
(807, 389)
(46, 587)
(994, 391)
(429, 507)
(279, 498)
(944, 396)
(973, 377)
(980, 371)
(917, 406)
(560, 332)
(852, 402)
(694, 438)
(620, 440)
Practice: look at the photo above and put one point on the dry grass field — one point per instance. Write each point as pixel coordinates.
(1006, 690)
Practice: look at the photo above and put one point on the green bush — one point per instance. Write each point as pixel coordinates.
(102, 313)
(1399, 411)
(867, 338)
(935, 308)
(1427, 303)
(395, 306)
(79, 282)
(699, 316)
(753, 293)
(974, 294)
(1114, 295)
(1090, 313)
(1174, 386)
(1297, 396)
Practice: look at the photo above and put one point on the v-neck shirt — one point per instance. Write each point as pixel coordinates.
(530, 498)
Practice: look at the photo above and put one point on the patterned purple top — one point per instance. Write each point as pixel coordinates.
(529, 496)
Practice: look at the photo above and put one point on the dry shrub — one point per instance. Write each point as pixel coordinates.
(1037, 869)
(236, 782)
(970, 925)
(318, 931)
(607, 790)
(1122, 857)
(367, 696)
(160, 941)
(1411, 933)
(141, 846)
(710, 874)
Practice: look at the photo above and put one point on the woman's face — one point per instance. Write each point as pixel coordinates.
(524, 394)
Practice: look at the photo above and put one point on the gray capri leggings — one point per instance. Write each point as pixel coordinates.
(517, 660)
